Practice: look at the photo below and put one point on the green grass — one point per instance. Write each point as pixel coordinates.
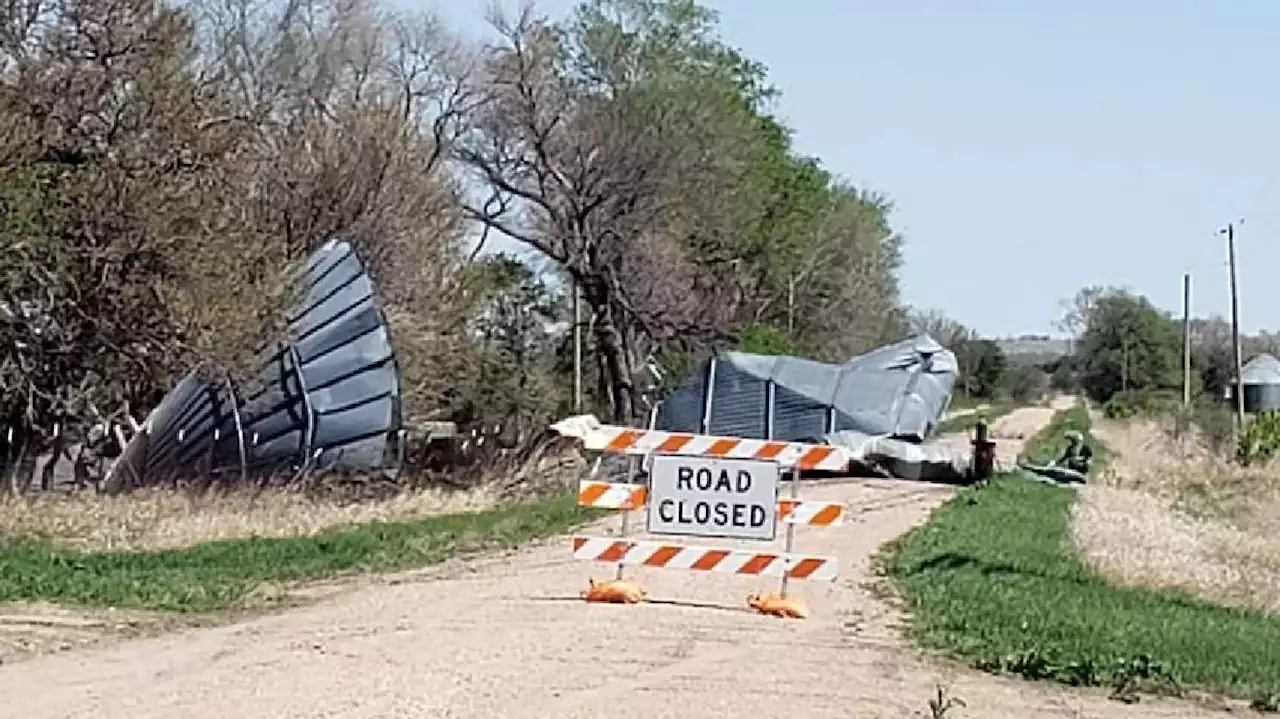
(1049, 443)
(960, 400)
(991, 579)
(964, 423)
(224, 575)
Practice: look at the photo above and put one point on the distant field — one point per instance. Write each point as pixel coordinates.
(1043, 350)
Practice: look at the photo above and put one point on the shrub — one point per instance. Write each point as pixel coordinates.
(1216, 422)
(1260, 439)
(1141, 403)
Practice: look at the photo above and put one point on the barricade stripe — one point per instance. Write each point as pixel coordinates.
(616, 552)
(828, 515)
(624, 440)
(758, 563)
(663, 556)
(589, 493)
(615, 495)
(721, 447)
(805, 568)
(707, 559)
(611, 438)
(814, 458)
(771, 450)
(710, 559)
(674, 443)
(815, 514)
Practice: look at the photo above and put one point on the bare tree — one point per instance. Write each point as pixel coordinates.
(162, 165)
(95, 181)
(596, 181)
(935, 323)
(848, 302)
(346, 112)
(1076, 311)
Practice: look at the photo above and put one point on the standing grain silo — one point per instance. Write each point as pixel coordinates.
(1261, 379)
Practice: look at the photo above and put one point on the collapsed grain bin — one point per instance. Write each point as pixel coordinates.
(899, 391)
(326, 396)
(1261, 379)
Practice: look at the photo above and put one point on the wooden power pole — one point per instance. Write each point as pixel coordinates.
(577, 346)
(1230, 232)
(1186, 340)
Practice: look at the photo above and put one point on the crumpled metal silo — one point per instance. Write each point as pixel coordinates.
(326, 396)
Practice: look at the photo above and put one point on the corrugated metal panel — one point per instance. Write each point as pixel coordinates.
(1261, 398)
(682, 410)
(738, 406)
(797, 417)
(327, 397)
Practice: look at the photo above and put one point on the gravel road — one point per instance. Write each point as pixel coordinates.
(507, 637)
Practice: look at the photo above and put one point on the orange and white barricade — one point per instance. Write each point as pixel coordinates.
(685, 469)
(628, 440)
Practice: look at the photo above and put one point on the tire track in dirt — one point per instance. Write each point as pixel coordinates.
(506, 637)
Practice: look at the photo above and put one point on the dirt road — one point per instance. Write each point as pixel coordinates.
(506, 637)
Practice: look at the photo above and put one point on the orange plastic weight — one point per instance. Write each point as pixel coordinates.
(776, 606)
(618, 591)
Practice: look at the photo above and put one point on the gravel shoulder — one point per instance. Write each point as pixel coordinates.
(508, 637)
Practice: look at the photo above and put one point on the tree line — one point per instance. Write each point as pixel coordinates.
(163, 162)
(1128, 358)
(1124, 343)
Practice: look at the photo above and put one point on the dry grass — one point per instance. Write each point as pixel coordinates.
(1169, 514)
(165, 519)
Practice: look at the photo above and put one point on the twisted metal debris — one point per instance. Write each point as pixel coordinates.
(326, 397)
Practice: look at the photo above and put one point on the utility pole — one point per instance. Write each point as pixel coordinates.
(1186, 340)
(791, 306)
(1124, 358)
(577, 346)
(1230, 232)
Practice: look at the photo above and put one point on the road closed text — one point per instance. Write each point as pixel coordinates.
(727, 512)
(713, 497)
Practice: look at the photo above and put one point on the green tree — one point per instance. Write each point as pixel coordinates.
(1064, 373)
(1025, 382)
(1128, 344)
(982, 365)
(1211, 355)
(633, 148)
(513, 384)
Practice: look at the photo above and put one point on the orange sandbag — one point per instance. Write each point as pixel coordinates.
(618, 591)
(774, 605)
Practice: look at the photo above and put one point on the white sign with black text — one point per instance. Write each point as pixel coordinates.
(706, 497)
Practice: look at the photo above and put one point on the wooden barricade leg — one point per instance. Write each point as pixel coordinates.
(624, 527)
(625, 497)
(782, 605)
(634, 462)
(791, 532)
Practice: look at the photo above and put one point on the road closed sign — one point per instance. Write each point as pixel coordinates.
(700, 496)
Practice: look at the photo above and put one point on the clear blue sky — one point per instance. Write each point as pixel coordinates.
(1034, 147)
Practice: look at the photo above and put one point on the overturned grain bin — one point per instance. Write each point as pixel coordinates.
(326, 397)
(898, 391)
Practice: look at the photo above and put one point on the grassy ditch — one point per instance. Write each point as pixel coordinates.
(992, 579)
(221, 575)
(1048, 444)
